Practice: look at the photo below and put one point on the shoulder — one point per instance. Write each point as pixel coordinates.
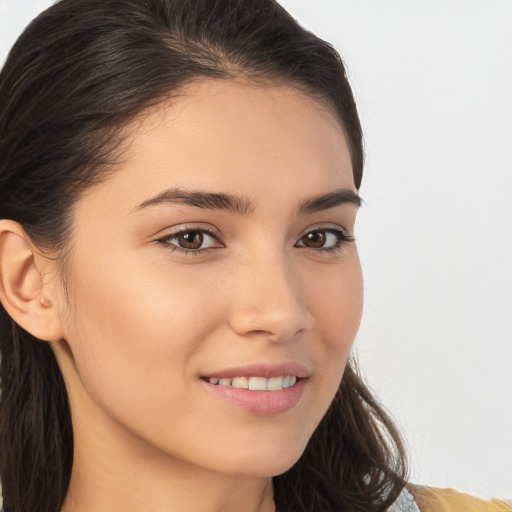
(432, 499)
(404, 503)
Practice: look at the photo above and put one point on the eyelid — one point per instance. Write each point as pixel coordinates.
(327, 227)
(169, 235)
(345, 237)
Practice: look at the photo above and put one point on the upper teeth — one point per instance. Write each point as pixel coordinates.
(256, 383)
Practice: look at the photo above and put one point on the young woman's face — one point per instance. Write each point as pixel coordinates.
(220, 249)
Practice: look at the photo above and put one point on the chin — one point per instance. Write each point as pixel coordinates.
(265, 463)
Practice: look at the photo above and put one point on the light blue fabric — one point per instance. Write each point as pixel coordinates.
(404, 503)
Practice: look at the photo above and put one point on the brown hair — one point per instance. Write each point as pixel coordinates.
(78, 74)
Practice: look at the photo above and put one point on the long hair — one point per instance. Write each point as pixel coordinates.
(76, 77)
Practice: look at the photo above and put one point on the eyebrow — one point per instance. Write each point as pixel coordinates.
(243, 206)
(199, 199)
(330, 200)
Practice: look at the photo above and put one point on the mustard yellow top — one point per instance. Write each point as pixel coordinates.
(432, 499)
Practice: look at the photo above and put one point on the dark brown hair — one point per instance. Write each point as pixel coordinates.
(75, 78)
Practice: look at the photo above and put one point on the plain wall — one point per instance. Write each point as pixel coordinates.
(433, 81)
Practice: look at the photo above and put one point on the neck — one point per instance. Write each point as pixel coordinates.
(149, 491)
(113, 471)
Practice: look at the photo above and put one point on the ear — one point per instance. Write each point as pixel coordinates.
(27, 298)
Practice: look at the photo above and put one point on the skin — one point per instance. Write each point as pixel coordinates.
(144, 322)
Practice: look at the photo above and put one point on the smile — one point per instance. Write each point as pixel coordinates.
(258, 395)
(256, 383)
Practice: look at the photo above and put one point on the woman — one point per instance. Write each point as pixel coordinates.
(179, 279)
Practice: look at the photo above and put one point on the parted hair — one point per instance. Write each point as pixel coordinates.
(77, 76)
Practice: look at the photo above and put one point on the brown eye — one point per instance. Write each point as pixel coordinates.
(315, 239)
(325, 239)
(192, 240)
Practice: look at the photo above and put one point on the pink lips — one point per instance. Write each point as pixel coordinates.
(262, 370)
(263, 403)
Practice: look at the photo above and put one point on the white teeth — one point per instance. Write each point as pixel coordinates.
(256, 383)
(240, 382)
(275, 383)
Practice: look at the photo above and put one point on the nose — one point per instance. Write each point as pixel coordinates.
(269, 300)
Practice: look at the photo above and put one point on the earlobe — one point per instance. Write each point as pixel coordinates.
(22, 287)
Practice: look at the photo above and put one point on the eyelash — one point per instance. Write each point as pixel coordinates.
(344, 237)
(165, 240)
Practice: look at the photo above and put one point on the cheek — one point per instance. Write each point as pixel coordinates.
(133, 337)
(337, 301)
(337, 306)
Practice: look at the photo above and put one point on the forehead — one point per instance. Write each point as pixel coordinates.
(236, 138)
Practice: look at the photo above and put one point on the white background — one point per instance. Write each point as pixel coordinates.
(433, 81)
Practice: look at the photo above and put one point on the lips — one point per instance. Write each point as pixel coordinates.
(259, 388)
